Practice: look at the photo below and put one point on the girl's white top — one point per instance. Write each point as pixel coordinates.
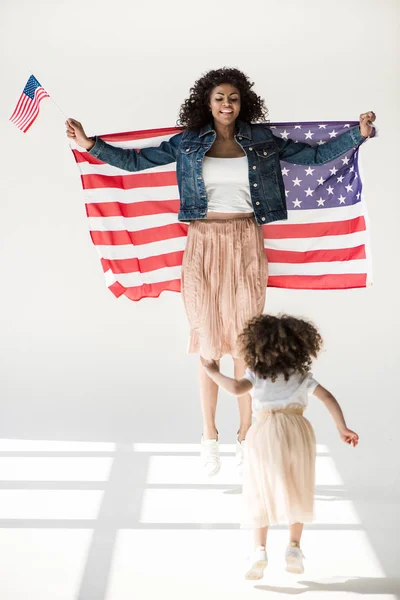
(227, 184)
(280, 393)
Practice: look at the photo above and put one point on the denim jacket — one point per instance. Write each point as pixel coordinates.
(264, 152)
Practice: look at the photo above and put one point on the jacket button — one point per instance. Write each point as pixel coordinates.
(240, 137)
(250, 148)
(187, 149)
(258, 204)
(263, 219)
(254, 167)
(254, 185)
(265, 153)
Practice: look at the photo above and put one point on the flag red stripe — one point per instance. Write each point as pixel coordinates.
(310, 230)
(148, 290)
(319, 282)
(156, 234)
(133, 209)
(143, 265)
(313, 256)
(81, 157)
(128, 182)
(146, 236)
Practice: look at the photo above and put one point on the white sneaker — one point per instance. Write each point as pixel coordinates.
(239, 454)
(257, 563)
(294, 559)
(210, 456)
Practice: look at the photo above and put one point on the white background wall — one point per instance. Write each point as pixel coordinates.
(77, 364)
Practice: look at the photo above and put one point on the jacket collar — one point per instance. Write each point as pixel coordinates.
(243, 129)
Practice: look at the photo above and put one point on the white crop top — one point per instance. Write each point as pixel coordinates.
(227, 184)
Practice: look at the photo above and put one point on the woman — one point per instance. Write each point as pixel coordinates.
(230, 183)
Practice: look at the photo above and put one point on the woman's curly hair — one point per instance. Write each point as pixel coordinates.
(195, 111)
(281, 345)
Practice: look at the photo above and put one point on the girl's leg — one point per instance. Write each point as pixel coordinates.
(295, 533)
(208, 400)
(243, 401)
(294, 556)
(260, 537)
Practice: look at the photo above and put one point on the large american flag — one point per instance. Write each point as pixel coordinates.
(27, 108)
(133, 219)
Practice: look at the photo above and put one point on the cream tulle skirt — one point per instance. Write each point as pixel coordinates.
(279, 469)
(224, 278)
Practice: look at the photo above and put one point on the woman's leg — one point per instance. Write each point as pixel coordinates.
(243, 401)
(208, 400)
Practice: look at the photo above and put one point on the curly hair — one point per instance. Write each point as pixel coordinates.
(195, 111)
(281, 345)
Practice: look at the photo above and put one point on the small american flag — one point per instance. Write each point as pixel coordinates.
(27, 108)
(133, 223)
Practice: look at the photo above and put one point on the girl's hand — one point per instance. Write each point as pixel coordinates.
(76, 132)
(366, 120)
(210, 365)
(349, 436)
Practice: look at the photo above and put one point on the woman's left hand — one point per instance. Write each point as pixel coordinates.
(210, 365)
(366, 120)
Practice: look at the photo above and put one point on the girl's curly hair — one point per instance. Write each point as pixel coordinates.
(195, 111)
(281, 345)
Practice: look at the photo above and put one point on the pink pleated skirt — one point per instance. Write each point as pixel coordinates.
(279, 469)
(224, 279)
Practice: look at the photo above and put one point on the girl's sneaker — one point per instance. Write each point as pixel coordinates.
(257, 563)
(294, 559)
(210, 456)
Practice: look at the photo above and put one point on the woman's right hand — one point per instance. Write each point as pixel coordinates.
(76, 132)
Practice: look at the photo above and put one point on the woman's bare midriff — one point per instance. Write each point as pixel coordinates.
(221, 216)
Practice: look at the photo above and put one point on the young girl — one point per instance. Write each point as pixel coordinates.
(279, 465)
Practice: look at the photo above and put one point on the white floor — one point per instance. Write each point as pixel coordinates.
(100, 521)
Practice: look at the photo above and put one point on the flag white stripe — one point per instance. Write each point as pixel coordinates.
(322, 215)
(158, 220)
(319, 268)
(100, 195)
(131, 223)
(142, 142)
(135, 279)
(331, 242)
(104, 169)
(170, 273)
(143, 250)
